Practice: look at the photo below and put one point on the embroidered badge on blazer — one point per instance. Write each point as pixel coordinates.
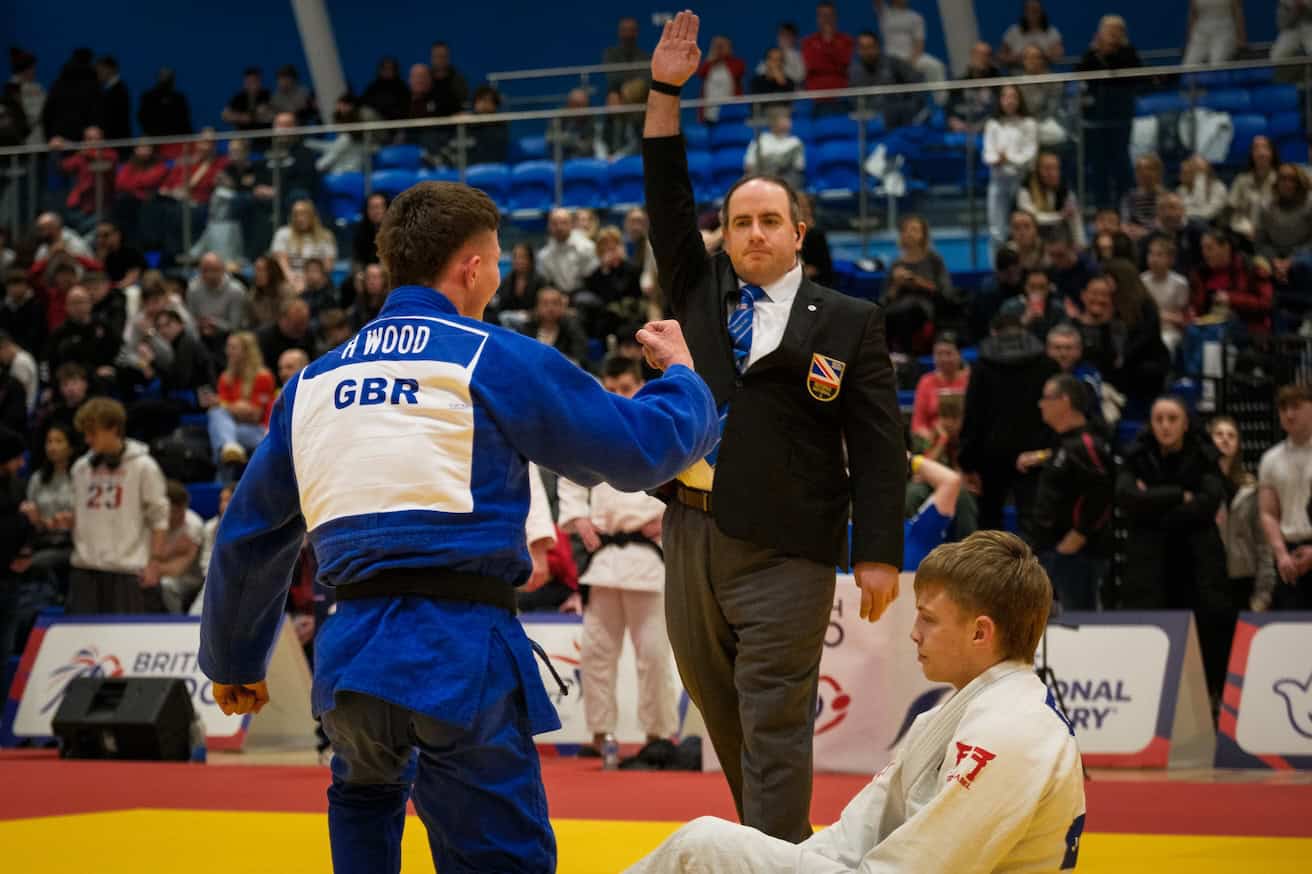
(825, 377)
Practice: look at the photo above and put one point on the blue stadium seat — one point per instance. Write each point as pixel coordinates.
(530, 149)
(205, 498)
(696, 136)
(941, 160)
(493, 180)
(1152, 104)
(1254, 76)
(532, 187)
(804, 128)
(1127, 430)
(584, 183)
(1208, 79)
(392, 182)
(844, 270)
(726, 169)
(1269, 99)
(834, 168)
(699, 168)
(731, 112)
(1230, 100)
(437, 174)
(832, 128)
(1282, 125)
(731, 136)
(1293, 150)
(625, 182)
(875, 127)
(1229, 78)
(345, 196)
(1246, 127)
(868, 285)
(402, 157)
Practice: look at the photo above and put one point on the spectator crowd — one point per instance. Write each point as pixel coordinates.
(130, 366)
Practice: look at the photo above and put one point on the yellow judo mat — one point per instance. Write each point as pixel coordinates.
(144, 841)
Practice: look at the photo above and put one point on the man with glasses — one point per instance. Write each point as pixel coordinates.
(1072, 516)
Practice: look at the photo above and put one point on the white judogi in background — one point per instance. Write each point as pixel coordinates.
(990, 780)
(628, 591)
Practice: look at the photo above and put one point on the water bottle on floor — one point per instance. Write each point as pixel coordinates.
(198, 751)
(610, 753)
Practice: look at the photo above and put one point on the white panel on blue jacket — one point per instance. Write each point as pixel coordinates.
(386, 426)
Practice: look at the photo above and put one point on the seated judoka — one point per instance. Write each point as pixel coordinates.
(989, 780)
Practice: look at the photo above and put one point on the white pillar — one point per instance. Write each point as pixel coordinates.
(326, 75)
(960, 32)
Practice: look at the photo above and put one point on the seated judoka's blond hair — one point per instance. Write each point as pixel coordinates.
(994, 574)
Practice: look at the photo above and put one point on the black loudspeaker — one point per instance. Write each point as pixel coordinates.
(125, 718)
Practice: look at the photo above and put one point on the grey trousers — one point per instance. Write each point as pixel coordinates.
(93, 592)
(747, 625)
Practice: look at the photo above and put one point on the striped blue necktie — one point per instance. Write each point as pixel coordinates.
(740, 333)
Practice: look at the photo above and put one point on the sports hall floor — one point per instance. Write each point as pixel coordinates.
(256, 813)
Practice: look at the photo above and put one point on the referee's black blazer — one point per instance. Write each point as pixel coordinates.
(780, 479)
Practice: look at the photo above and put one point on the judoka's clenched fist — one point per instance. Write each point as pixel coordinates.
(663, 345)
(240, 700)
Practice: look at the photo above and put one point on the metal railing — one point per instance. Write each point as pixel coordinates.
(584, 72)
(20, 167)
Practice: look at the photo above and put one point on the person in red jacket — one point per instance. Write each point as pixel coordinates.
(138, 179)
(84, 166)
(721, 74)
(1227, 272)
(196, 173)
(141, 176)
(239, 415)
(827, 53)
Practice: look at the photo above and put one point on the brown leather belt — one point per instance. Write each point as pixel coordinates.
(695, 498)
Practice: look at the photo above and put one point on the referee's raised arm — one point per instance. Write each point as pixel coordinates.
(675, 239)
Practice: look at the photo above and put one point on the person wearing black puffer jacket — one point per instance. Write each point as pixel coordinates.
(1169, 487)
(1002, 420)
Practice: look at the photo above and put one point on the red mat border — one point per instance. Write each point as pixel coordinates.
(39, 785)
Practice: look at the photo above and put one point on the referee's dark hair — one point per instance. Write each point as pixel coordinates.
(427, 224)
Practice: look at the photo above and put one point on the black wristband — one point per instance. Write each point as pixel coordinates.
(665, 88)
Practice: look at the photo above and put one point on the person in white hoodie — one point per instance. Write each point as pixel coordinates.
(626, 572)
(989, 780)
(1011, 143)
(777, 151)
(120, 518)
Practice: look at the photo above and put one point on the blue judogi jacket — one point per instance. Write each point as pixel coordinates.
(405, 448)
(923, 533)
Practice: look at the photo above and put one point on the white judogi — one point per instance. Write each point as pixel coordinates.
(628, 590)
(990, 780)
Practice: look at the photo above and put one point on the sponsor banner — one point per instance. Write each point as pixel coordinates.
(1266, 710)
(871, 686)
(61, 649)
(1131, 682)
(1132, 685)
(559, 636)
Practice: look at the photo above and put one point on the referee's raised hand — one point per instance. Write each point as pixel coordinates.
(676, 56)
